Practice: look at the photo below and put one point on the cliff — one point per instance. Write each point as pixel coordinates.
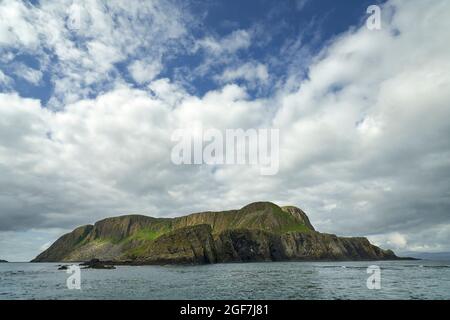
(260, 231)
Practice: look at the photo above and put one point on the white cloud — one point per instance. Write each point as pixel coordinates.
(432, 239)
(144, 71)
(360, 127)
(167, 91)
(364, 140)
(16, 26)
(237, 40)
(252, 72)
(110, 154)
(394, 241)
(398, 240)
(29, 74)
(4, 79)
(81, 59)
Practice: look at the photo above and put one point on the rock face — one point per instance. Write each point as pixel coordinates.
(260, 231)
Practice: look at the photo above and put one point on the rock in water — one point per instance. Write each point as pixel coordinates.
(97, 264)
(260, 231)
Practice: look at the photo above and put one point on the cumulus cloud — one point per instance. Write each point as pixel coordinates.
(366, 123)
(364, 137)
(110, 154)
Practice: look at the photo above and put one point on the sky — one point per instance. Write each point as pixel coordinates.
(91, 92)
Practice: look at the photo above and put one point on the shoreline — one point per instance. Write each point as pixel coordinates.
(137, 264)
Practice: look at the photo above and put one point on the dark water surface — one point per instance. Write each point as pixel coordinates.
(274, 280)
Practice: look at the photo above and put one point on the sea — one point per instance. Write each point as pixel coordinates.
(421, 279)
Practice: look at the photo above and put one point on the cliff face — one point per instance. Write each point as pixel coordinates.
(260, 231)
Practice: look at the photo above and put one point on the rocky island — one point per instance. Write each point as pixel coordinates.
(260, 231)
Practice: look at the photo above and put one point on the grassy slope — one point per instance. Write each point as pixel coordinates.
(262, 216)
(134, 235)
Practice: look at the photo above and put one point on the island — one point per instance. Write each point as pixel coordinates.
(3, 261)
(260, 231)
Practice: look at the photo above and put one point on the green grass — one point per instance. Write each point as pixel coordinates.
(136, 252)
(289, 223)
(271, 219)
(147, 234)
(295, 228)
(98, 241)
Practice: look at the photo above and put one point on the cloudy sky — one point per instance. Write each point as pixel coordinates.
(91, 92)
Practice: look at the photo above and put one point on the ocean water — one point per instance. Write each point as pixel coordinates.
(274, 280)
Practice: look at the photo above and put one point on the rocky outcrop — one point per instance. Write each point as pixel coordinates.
(97, 264)
(188, 245)
(65, 244)
(260, 231)
(256, 245)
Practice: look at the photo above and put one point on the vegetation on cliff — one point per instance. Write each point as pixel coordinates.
(260, 231)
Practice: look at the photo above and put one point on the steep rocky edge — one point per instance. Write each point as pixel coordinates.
(260, 231)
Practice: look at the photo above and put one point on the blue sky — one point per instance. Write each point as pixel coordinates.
(92, 91)
(293, 30)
